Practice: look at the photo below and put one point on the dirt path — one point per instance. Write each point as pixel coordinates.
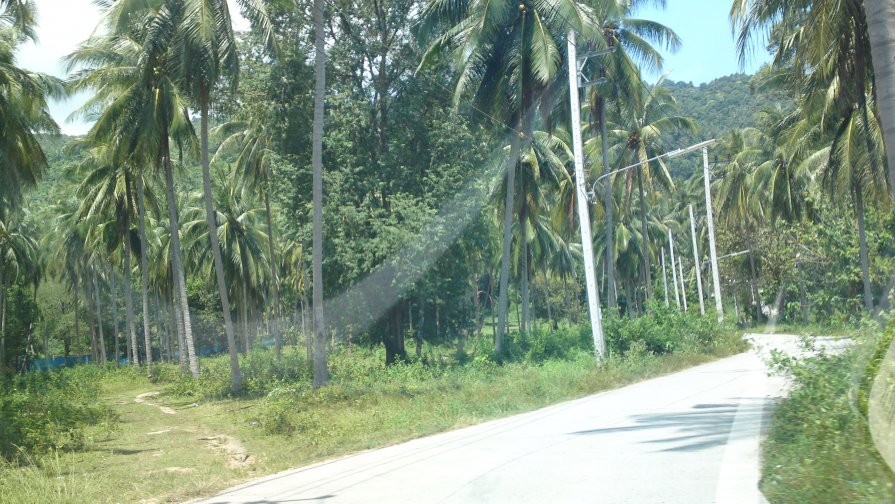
(142, 399)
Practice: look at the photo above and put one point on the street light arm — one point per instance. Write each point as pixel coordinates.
(670, 155)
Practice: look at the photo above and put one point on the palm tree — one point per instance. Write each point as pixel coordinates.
(507, 53)
(18, 262)
(23, 106)
(642, 123)
(106, 194)
(241, 236)
(199, 35)
(252, 141)
(143, 110)
(630, 40)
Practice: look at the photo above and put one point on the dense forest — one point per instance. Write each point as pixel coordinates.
(418, 242)
(728, 104)
(403, 180)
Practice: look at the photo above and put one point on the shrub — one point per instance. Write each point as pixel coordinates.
(819, 447)
(40, 412)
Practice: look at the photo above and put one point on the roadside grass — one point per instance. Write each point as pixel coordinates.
(819, 447)
(212, 441)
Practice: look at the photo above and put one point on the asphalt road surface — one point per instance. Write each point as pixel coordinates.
(691, 437)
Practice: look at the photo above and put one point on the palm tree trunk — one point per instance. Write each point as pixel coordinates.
(503, 300)
(116, 339)
(211, 220)
(803, 298)
(77, 317)
(144, 269)
(129, 306)
(3, 294)
(178, 328)
(754, 274)
(321, 373)
(99, 320)
(526, 294)
(244, 316)
(91, 322)
(881, 29)
(647, 268)
(419, 330)
(862, 236)
(177, 264)
(274, 276)
(612, 295)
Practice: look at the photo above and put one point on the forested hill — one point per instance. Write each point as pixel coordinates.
(724, 104)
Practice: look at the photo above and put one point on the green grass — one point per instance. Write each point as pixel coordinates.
(819, 448)
(150, 456)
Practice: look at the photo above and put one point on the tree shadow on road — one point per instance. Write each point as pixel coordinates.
(703, 427)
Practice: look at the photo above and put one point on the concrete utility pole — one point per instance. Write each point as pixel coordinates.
(664, 277)
(593, 299)
(677, 295)
(697, 262)
(710, 221)
(680, 265)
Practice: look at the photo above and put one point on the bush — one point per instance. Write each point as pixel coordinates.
(667, 331)
(819, 447)
(41, 412)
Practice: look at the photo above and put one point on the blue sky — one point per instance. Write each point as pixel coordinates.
(709, 50)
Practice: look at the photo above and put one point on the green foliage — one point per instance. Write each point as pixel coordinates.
(40, 412)
(667, 330)
(819, 447)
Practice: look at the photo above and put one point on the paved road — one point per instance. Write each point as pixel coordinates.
(689, 438)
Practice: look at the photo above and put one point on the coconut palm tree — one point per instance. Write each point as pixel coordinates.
(630, 41)
(143, 110)
(199, 34)
(241, 235)
(252, 141)
(23, 106)
(643, 124)
(19, 262)
(508, 53)
(106, 195)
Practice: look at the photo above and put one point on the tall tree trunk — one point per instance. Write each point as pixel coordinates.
(91, 321)
(525, 326)
(129, 306)
(177, 264)
(178, 328)
(211, 221)
(647, 268)
(244, 317)
(101, 342)
(77, 319)
(66, 339)
(504, 300)
(862, 237)
(803, 298)
(321, 373)
(116, 339)
(3, 294)
(612, 295)
(144, 270)
(565, 295)
(419, 330)
(275, 314)
(754, 277)
(881, 29)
